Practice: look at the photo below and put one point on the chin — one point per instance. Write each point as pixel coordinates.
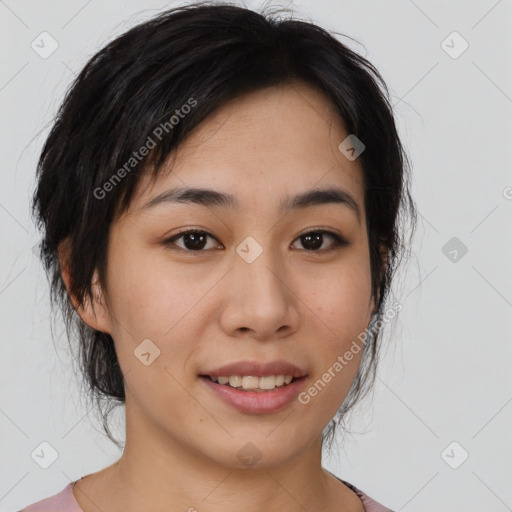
(258, 451)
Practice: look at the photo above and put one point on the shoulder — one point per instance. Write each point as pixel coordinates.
(369, 504)
(63, 501)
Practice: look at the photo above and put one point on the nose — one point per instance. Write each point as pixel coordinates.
(259, 299)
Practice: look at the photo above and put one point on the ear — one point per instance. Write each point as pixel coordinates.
(97, 317)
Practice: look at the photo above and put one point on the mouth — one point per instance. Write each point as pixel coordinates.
(251, 383)
(255, 387)
(245, 394)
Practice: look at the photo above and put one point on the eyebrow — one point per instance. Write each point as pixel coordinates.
(210, 197)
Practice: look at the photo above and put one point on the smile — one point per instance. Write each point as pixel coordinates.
(255, 400)
(245, 383)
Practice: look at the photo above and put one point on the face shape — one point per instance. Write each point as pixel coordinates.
(203, 300)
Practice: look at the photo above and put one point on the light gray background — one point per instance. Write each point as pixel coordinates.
(445, 377)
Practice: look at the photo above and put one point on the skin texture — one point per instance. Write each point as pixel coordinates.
(206, 309)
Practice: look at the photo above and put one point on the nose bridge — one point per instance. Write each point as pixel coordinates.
(256, 267)
(258, 298)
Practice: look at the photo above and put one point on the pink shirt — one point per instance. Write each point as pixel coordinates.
(65, 501)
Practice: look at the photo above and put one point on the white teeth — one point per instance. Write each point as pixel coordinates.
(250, 382)
(235, 381)
(267, 382)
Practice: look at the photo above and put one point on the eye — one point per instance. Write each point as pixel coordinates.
(193, 240)
(314, 239)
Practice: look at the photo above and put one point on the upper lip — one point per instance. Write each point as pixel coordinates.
(257, 369)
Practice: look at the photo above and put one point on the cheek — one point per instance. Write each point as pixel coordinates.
(167, 305)
(340, 299)
(339, 316)
(150, 297)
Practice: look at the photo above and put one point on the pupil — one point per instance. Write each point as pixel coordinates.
(315, 240)
(198, 241)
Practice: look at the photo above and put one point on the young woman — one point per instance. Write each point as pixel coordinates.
(220, 198)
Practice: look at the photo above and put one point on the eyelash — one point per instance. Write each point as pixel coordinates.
(338, 243)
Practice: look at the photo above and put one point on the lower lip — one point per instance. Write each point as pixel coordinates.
(256, 402)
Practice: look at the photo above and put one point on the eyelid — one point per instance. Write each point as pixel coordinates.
(168, 242)
(339, 240)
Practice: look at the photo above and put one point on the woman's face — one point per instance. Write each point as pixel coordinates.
(248, 288)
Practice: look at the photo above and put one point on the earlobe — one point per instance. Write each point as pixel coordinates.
(93, 313)
(96, 314)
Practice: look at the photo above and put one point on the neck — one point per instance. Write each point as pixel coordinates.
(165, 474)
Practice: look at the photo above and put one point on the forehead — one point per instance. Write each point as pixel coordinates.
(263, 146)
